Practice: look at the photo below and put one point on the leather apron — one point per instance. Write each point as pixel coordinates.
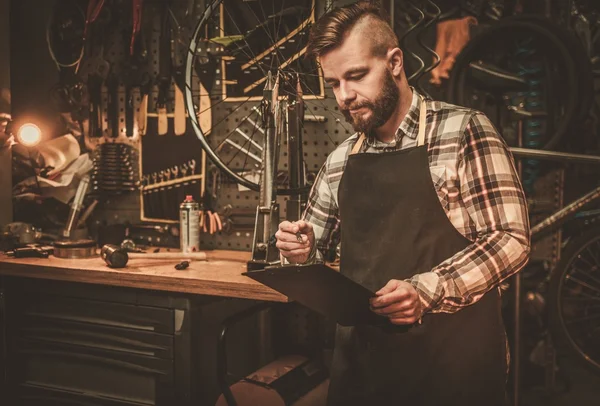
(393, 227)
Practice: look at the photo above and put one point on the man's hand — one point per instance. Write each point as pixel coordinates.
(399, 302)
(288, 240)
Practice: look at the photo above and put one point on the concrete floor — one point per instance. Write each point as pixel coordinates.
(575, 386)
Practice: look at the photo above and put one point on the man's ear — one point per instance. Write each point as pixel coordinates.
(396, 61)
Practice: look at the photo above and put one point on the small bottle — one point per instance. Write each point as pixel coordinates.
(189, 223)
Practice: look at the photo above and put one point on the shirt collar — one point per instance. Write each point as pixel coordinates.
(409, 125)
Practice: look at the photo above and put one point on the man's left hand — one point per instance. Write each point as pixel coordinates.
(398, 301)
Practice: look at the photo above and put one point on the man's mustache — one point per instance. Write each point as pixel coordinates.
(356, 106)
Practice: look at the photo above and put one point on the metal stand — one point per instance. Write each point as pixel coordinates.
(264, 252)
(517, 303)
(294, 117)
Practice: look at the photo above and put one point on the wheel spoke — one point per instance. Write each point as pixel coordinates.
(582, 283)
(245, 41)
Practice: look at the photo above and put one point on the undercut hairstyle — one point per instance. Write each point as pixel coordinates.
(330, 31)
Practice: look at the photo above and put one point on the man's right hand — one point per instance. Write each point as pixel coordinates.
(287, 240)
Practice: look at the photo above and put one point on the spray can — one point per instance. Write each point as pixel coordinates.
(189, 225)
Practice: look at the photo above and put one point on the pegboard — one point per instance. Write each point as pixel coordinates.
(109, 37)
(237, 119)
(319, 140)
(169, 151)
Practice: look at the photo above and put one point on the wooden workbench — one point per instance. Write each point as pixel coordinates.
(220, 275)
(147, 331)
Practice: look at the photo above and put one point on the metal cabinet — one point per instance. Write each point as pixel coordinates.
(79, 344)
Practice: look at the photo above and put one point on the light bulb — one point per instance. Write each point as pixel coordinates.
(29, 134)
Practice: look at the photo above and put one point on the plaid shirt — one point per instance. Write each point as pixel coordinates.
(478, 187)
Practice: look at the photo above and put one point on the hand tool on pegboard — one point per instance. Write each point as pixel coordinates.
(136, 73)
(146, 87)
(98, 67)
(113, 110)
(178, 70)
(93, 11)
(115, 169)
(154, 198)
(164, 69)
(211, 220)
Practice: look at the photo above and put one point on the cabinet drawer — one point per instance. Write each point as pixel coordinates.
(30, 395)
(96, 336)
(129, 316)
(96, 372)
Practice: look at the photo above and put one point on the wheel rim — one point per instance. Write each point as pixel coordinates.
(578, 302)
(549, 45)
(233, 144)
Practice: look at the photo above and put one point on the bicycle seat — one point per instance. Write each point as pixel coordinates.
(495, 80)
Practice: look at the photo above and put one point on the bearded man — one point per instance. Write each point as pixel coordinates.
(432, 217)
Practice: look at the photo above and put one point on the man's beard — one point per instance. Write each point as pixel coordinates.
(382, 108)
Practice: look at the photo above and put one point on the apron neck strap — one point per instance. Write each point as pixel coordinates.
(420, 134)
(422, 122)
(358, 144)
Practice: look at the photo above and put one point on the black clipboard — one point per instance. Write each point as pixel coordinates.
(322, 289)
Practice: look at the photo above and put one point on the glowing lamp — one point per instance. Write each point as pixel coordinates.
(29, 134)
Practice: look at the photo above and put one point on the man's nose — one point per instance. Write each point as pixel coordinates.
(346, 94)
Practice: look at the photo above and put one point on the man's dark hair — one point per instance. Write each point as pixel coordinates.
(332, 28)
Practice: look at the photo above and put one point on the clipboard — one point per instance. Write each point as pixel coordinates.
(322, 289)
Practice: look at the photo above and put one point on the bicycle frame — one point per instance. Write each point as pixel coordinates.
(558, 218)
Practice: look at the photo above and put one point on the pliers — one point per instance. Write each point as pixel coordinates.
(137, 22)
(93, 11)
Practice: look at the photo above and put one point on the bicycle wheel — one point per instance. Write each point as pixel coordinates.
(574, 299)
(536, 52)
(233, 48)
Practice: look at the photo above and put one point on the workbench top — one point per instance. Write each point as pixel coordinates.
(219, 275)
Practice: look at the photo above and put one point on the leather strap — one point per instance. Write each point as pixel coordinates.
(422, 122)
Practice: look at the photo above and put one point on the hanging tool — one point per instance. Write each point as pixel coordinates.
(179, 118)
(148, 79)
(137, 6)
(112, 84)
(136, 75)
(164, 70)
(93, 11)
(211, 220)
(99, 70)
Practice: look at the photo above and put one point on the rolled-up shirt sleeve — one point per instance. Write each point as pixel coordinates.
(492, 194)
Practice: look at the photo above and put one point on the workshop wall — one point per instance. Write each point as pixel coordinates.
(5, 161)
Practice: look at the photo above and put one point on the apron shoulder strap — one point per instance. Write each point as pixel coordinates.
(422, 122)
(358, 144)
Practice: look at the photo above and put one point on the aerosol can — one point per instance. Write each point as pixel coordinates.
(189, 225)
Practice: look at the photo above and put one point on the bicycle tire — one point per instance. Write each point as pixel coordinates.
(585, 74)
(456, 85)
(561, 298)
(235, 92)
